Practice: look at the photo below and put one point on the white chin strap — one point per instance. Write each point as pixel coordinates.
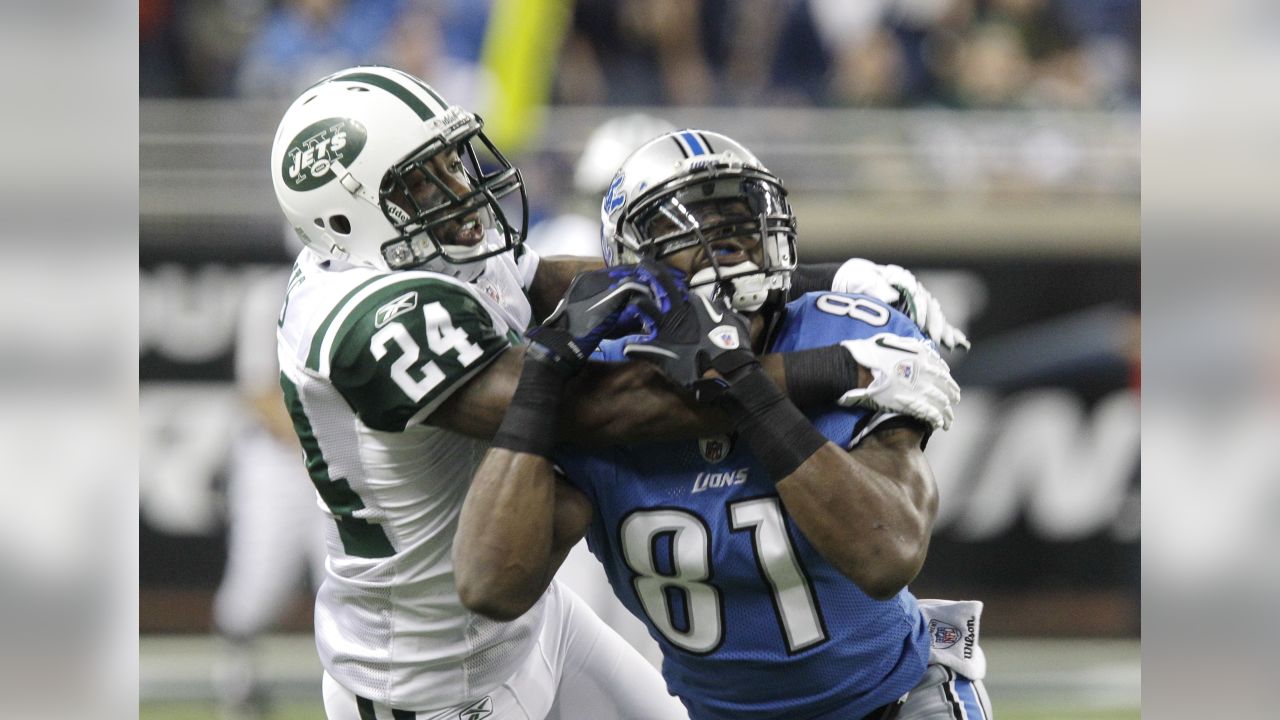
(468, 271)
(749, 293)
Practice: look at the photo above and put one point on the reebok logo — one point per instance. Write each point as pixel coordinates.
(395, 308)
(716, 480)
(477, 710)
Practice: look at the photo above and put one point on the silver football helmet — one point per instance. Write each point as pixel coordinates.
(373, 167)
(692, 188)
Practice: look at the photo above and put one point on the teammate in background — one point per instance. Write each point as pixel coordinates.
(769, 563)
(275, 538)
(576, 230)
(397, 364)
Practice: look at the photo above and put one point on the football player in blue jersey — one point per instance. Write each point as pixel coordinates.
(769, 561)
(400, 343)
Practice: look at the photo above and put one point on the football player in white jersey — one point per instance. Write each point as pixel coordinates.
(274, 535)
(400, 345)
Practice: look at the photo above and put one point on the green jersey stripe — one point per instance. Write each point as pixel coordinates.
(314, 357)
(408, 98)
(360, 538)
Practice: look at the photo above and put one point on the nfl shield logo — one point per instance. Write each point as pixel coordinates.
(714, 449)
(725, 336)
(943, 635)
(907, 371)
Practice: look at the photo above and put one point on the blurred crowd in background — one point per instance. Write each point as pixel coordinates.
(989, 54)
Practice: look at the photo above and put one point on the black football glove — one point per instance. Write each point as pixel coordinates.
(694, 335)
(596, 304)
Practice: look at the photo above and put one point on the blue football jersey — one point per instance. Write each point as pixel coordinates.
(753, 622)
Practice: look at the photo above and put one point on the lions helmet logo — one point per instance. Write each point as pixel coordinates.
(615, 197)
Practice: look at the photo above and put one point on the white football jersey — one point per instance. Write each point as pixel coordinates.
(365, 356)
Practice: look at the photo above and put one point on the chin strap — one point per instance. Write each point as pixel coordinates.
(750, 285)
(468, 271)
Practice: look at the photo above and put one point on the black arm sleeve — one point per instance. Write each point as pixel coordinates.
(819, 376)
(813, 277)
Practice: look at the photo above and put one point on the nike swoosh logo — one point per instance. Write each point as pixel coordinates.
(626, 287)
(715, 315)
(884, 343)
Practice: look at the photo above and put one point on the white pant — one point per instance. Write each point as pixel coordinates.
(579, 669)
(275, 535)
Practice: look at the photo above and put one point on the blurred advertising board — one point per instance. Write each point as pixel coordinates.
(1038, 478)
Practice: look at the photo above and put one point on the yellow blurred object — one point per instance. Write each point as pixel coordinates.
(521, 49)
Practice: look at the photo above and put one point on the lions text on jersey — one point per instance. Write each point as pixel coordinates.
(752, 620)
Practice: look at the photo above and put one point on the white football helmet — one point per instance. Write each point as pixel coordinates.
(654, 205)
(609, 144)
(358, 154)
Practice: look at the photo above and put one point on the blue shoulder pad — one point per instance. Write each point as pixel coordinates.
(818, 319)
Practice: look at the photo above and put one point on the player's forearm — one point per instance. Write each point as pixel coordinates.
(503, 552)
(612, 403)
(552, 279)
(615, 403)
(505, 543)
(812, 277)
(869, 513)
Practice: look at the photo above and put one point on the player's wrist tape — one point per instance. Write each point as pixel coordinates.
(813, 278)
(555, 348)
(819, 376)
(735, 364)
(777, 432)
(530, 423)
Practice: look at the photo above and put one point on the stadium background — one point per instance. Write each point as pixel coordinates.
(992, 146)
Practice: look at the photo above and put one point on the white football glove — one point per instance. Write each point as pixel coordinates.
(893, 283)
(907, 376)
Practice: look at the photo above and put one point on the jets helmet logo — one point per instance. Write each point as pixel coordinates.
(308, 163)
